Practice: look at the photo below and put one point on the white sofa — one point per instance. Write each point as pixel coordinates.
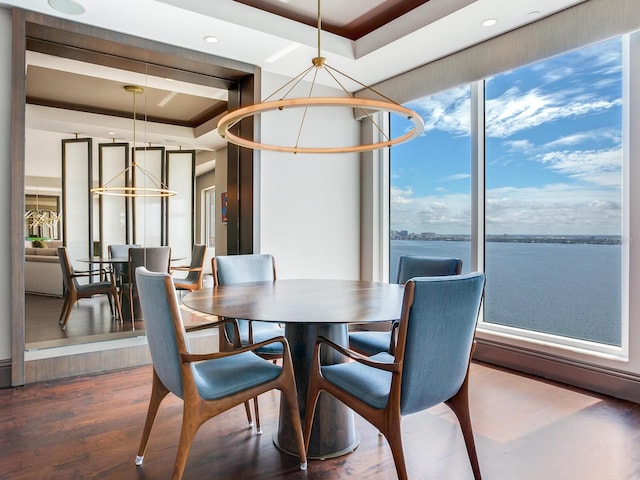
(42, 272)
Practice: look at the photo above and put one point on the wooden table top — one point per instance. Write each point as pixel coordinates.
(302, 301)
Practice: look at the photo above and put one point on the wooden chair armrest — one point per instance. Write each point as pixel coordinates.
(212, 324)
(89, 273)
(394, 338)
(186, 268)
(363, 359)
(199, 357)
(221, 321)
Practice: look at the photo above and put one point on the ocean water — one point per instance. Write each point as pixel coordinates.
(573, 290)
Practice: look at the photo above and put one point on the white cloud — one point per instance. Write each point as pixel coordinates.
(447, 111)
(610, 134)
(600, 167)
(519, 145)
(457, 176)
(515, 111)
(551, 209)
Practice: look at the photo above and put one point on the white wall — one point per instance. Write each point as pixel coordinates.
(221, 187)
(308, 206)
(5, 183)
(44, 153)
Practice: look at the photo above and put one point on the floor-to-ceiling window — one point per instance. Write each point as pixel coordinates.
(552, 199)
(430, 182)
(553, 212)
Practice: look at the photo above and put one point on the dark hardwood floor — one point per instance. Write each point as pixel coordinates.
(525, 428)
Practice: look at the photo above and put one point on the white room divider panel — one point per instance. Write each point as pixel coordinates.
(149, 220)
(113, 214)
(77, 172)
(180, 234)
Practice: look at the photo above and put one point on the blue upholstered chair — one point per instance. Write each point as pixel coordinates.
(430, 365)
(234, 269)
(210, 383)
(193, 280)
(409, 266)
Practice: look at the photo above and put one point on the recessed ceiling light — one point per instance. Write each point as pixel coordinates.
(70, 7)
(489, 22)
(211, 39)
(111, 133)
(533, 13)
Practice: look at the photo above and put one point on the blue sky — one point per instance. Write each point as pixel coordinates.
(553, 151)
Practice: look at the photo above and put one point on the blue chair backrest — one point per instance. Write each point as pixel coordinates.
(410, 266)
(159, 305)
(439, 337)
(232, 269)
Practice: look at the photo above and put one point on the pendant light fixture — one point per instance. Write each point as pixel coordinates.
(38, 217)
(366, 108)
(146, 184)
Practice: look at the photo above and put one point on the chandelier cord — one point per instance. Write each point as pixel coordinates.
(319, 29)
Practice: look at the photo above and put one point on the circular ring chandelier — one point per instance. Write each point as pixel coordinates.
(118, 186)
(365, 106)
(229, 120)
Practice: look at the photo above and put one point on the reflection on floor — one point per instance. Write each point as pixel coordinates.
(90, 321)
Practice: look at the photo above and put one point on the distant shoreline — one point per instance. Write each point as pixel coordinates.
(563, 239)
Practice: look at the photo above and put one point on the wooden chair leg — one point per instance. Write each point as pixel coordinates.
(158, 392)
(110, 299)
(72, 299)
(459, 403)
(118, 307)
(247, 407)
(291, 397)
(190, 424)
(255, 406)
(394, 437)
(65, 307)
(310, 409)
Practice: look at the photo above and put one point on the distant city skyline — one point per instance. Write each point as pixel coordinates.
(553, 152)
(510, 238)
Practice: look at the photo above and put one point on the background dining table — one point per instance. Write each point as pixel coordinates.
(308, 308)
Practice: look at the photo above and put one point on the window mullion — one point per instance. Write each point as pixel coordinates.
(477, 176)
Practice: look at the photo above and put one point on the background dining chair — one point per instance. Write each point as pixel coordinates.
(234, 269)
(155, 259)
(120, 269)
(193, 280)
(73, 290)
(409, 266)
(430, 366)
(208, 383)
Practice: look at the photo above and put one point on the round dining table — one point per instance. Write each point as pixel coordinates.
(308, 309)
